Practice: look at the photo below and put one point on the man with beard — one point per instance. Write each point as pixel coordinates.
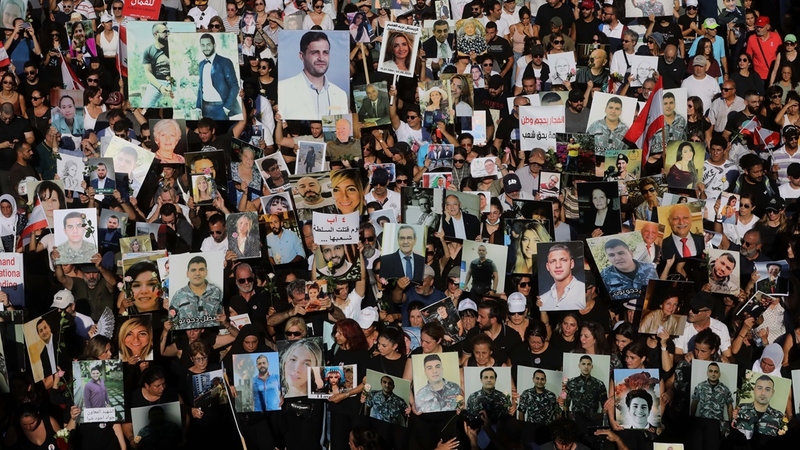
(218, 100)
(482, 272)
(250, 299)
(625, 278)
(538, 405)
(754, 184)
(682, 243)
(95, 394)
(335, 264)
(404, 263)
(610, 130)
(155, 63)
(671, 68)
(310, 94)
(266, 387)
(98, 292)
(217, 240)
(488, 398)
(379, 192)
(738, 118)
(102, 184)
(507, 125)
(719, 275)
(310, 191)
(386, 405)
(197, 304)
(576, 115)
(110, 239)
(759, 418)
(674, 126)
(283, 245)
(711, 399)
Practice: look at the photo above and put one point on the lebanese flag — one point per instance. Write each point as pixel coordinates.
(70, 80)
(762, 137)
(122, 51)
(37, 221)
(649, 121)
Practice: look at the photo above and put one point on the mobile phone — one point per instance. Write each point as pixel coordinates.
(26, 25)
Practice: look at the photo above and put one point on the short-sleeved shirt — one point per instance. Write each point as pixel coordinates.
(586, 394)
(266, 393)
(712, 399)
(158, 59)
(538, 408)
(685, 342)
(284, 248)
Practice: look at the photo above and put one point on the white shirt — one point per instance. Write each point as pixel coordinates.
(392, 200)
(787, 191)
(689, 243)
(109, 47)
(210, 245)
(209, 93)
(201, 18)
(513, 18)
(685, 342)
(705, 88)
(458, 227)
(51, 354)
(618, 64)
(502, 25)
(718, 113)
(735, 231)
(406, 134)
(573, 298)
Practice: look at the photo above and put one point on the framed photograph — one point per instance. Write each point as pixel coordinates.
(550, 184)
(563, 67)
(341, 262)
(774, 283)
(295, 358)
(621, 165)
(437, 180)
(625, 278)
(683, 162)
(310, 157)
(75, 235)
(539, 390)
(729, 207)
(154, 425)
(561, 276)
(599, 208)
(723, 271)
(198, 300)
(643, 67)
(663, 446)
(762, 399)
(666, 307)
(713, 390)
(422, 206)
(169, 140)
(462, 93)
(280, 203)
(71, 170)
(41, 343)
(204, 189)
(360, 28)
(399, 53)
(390, 402)
(521, 238)
(134, 336)
(372, 104)
(575, 153)
(136, 244)
(590, 374)
(637, 396)
(755, 305)
(90, 390)
(325, 381)
(488, 389)
(213, 163)
(445, 312)
(311, 192)
(482, 265)
(439, 155)
(538, 210)
(243, 235)
(682, 220)
(461, 206)
(436, 379)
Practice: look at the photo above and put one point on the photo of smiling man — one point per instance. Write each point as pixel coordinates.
(561, 274)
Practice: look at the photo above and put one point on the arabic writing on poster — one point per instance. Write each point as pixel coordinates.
(335, 228)
(538, 125)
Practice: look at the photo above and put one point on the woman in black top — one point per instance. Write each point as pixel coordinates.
(153, 391)
(391, 360)
(536, 351)
(36, 431)
(350, 348)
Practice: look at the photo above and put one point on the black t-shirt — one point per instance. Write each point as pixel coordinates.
(671, 31)
(361, 359)
(502, 345)
(547, 12)
(256, 308)
(500, 50)
(394, 368)
(585, 30)
(672, 74)
(9, 133)
(685, 22)
(550, 359)
(506, 127)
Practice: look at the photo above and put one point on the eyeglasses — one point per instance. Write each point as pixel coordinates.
(368, 238)
(691, 8)
(36, 98)
(247, 280)
(260, 4)
(55, 35)
(698, 311)
(595, 41)
(728, 89)
(517, 313)
(401, 181)
(790, 43)
(525, 284)
(775, 96)
(458, 160)
(558, 42)
(216, 232)
(318, 6)
(651, 42)
(651, 190)
(117, 8)
(144, 138)
(745, 205)
(32, 72)
(627, 41)
(215, 26)
(92, 80)
(293, 333)
(487, 65)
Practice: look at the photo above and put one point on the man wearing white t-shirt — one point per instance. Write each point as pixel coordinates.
(699, 319)
(791, 189)
(700, 84)
(410, 131)
(494, 14)
(510, 12)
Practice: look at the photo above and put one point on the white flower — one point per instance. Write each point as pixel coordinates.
(120, 286)
(367, 387)
(128, 279)
(380, 294)
(271, 275)
(125, 313)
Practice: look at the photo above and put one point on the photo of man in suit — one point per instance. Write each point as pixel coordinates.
(375, 106)
(682, 243)
(103, 184)
(48, 354)
(312, 94)
(773, 283)
(218, 92)
(457, 223)
(651, 252)
(109, 239)
(404, 263)
(439, 47)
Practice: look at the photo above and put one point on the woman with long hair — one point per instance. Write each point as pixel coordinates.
(33, 429)
(350, 347)
(790, 113)
(203, 189)
(39, 116)
(93, 99)
(592, 339)
(461, 93)
(519, 34)
(70, 176)
(787, 56)
(216, 25)
(492, 223)
(706, 48)
(348, 191)
(565, 335)
(9, 94)
(525, 246)
(786, 82)
(744, 77)
(135, 340)
(696, 121)
(317, 17)
(295, 361)
(437, 107)
(774, 228)
(683, 173)
(398, 52)
(359, 29)
(152, 390)
(202, 430)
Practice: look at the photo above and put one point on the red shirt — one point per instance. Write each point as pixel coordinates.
(763, 55)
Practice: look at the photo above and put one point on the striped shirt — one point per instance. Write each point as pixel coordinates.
(782, 158)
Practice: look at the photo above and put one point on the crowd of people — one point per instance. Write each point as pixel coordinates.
(475, 340)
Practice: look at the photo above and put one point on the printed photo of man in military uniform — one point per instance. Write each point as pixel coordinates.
(538, 405)
(759, 417)
(488, 398)
(585, 393)
(196, 304)
(74, 246)
(438, 394)
(711, 399)
(385, 405)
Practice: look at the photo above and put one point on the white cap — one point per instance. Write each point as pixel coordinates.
(63, 299)
(466, 304)
(691, 2)
(517, 302)
(106, 17)
(367, 317)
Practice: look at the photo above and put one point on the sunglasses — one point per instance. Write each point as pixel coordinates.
(117, 8)
(487, 65)
(525, 284)
(517, 313)
(790, 43)
(215, 26)
(595, 41)
(412, 117)
(368, 238)
(92, 80)
(651, 190)
(245, 280)
(698, 311)
(293, 333)
(458, 161)
(744, 60)
(401, 181)
(452, 282)
(691, 8)
(8, 82)
(558, 42)
(745, 205)
(263, 67)
(36, 98)
(775, 96)
(728, 89)
(55, 35)
(317, 6)
(32, 72)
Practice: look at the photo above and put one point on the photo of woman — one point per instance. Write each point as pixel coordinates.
(348, 191)
(71, 176)
(243, 235)
(470, 37)
(665, 299)
(52, 197)
(477, 77)
(135, 339)
(144, 288)
(166, 136)
(461, 95)
(684, 173)
(398, 53)
(296, 359)
(359, 27)
(204, 189)
(82, 44)
(67, 118)
(599, 210)
(727, 214)
(436, 104)
(525, 243)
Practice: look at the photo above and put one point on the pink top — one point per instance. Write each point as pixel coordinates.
(518, 39)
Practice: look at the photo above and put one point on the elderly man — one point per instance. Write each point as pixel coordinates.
(343, 146)
(457, 223)
(682, 243)
(774, 283)
(374, 106)
(404, 263)
(723, 106)
(529, 178)
(625, 278)
(439, 47)
(700, 84)
(310, 192)
(250, 299)
(197, 304)
(651, 252)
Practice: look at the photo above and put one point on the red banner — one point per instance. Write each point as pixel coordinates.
(143, 9)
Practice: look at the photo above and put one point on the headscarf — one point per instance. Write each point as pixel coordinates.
(8, 224)
(237, 348)
(774, 353)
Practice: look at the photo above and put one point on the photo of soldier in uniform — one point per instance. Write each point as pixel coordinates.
(196, 289)
(762, 409)
(539, 390)
(625, 277)
(75, 235)
(389, 403)
(713, 390)
(436, 380)
(587, 380)
(444, 311)
(488, 389)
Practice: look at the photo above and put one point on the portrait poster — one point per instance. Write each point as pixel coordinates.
(422, 206)
(100, 170)
(540, 211)
(360, 28)
(70, 170)
(386, 398)
(550, 185)
(196, 275)
(437, 180)
(773, 278)
(168, 140)
(663, 446)
(637, 397)
(340, 262)
(399, 53)
(591, 367)
(796, 389)
(484, 197)
(280, 204)
(257, 382)
(713, 389)
(163, 271)
(148, 10)
(12, 277)
(204, 189)
(539, 126)
(666, 307)
(325, 381)
(372, 104)
(683, 162)
(129, 160)
(401, 241)
(98, 390)
(388, 168)
(13, 9)
(134, 338)
(527, 381)
(462, 93)
(609, 119)
(485, 167)
(189, 53)
(135, 244)
(243, 234)
(67, 110)
(145, 56)
(599, 208)
(562, 67)
(533, 99)
(149, 228)
(478, 130)
(152, 423)
(295, 358)
(274, 172)
(445, 312)
(755, 395)
(330, 229)
(310, 157)
(642, 67)
(435, 102)
(561, 276)
(381, 217)
(482, 267)
(724, 271)
(669, 198)
(75, 235)
(647, 8)
(488, 389)
(728, 208)
(213, 163)
(575, 153)
(442, 9)
(692, 209)
(209, 389)
(437, 382)
(652, 236)
(625, 278)
(621, 165)
(41, 342)
(52, 190)
(324, 50)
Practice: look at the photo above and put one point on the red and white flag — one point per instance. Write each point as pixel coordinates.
(649, 121)
(762, 138)
(36, 221)
(70, 79)
(122, 51)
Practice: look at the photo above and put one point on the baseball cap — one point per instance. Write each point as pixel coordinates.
(496, 81)
(575, 95)
(63, 299)
(691, 2)
(115, 99)
(587, 4)
(106, 17)
(537, 50)
(762, 21)
(790, 131)
(516, 302)
(200, 2)
(710, 24)
(699, 60)
(466, 304)
(556, 21)
(511, 183)
(793, 170)
(776, 204)
(429, 272)
(702, 300)
(790, 38)
(367, 317)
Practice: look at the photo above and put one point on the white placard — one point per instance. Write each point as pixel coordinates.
(335, 228)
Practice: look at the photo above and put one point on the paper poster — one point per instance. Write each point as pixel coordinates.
(538, 126)
(335, 228)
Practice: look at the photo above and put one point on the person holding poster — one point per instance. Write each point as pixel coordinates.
(197, 304)
(438, 394)
(266, 387)
(759, 415)
(75, 249)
